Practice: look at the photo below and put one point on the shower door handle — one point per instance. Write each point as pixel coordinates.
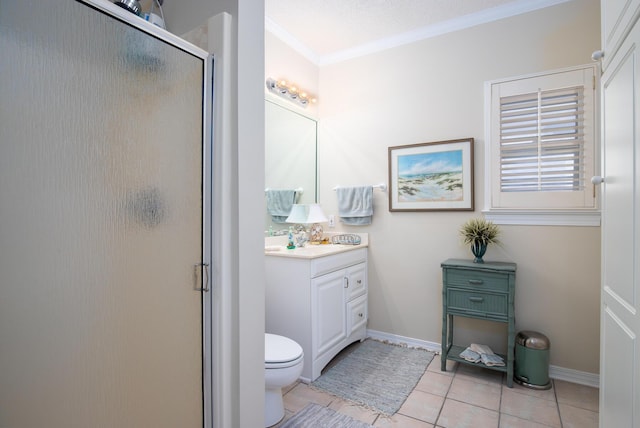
(205, 272)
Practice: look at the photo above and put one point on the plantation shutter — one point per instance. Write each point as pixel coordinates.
(542, 141)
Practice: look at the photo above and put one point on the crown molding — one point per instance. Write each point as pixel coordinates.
(514, 8)
(290, 40)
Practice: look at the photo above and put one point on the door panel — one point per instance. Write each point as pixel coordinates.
(620, 319)
(101, 213)
(617, 16)
(621, 342)
(619, 170)
(328, 311)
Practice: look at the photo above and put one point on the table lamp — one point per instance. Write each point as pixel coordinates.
(309, 214)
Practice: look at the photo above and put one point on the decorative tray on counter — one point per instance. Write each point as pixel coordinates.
(347, 239)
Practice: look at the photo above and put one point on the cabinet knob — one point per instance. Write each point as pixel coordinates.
(597, 55)
(359, 281)
(361, 315)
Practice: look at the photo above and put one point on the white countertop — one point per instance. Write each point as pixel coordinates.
(276, 246)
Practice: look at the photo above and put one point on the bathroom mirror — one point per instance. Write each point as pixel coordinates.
(290, 155)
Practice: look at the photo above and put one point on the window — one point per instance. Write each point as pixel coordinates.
(541, 148)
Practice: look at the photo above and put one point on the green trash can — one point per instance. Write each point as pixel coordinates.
(532, 360)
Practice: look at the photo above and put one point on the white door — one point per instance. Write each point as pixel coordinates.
(101, 219)
(620, 310)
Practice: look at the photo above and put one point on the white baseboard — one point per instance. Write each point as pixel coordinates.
(575, 376)
(402, 340)
(555, 372)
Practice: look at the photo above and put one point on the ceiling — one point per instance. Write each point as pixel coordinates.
(327, 31)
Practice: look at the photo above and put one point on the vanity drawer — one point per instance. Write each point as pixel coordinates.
(480, 305)
(477, 280)
(323, 265)
(356, 314)
(356, 281)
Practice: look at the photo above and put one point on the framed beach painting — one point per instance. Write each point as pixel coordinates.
(432, 176)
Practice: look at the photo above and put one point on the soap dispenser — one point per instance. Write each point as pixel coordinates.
(291, 245)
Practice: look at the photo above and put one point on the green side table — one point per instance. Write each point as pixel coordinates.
(482, 291)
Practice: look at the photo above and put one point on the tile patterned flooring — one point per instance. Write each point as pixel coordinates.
(466, 396)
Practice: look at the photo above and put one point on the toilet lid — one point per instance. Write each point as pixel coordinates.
(280, 349)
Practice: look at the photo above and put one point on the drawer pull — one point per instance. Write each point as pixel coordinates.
(359, 281)
(476, 299)
(476, 282)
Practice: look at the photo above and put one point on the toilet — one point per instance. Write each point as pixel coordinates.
(283, 361)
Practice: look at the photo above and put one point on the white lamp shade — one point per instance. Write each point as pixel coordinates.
(298, 214)
(316, 215)
(306, 214)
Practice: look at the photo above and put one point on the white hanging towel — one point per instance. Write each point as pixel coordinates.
(355, 205)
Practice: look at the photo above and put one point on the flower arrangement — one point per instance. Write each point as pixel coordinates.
(479, 232)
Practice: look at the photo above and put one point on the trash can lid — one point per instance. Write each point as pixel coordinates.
(533, 339)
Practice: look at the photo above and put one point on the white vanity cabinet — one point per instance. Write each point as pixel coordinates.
(320, 302)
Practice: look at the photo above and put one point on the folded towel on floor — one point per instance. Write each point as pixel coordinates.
(355, 205)
(279, 204)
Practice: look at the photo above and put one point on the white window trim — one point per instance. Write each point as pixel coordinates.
(544, 217)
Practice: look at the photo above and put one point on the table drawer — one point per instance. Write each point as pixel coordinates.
(477, 280)
(482, 305)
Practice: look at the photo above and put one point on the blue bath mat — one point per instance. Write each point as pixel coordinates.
(377, 375)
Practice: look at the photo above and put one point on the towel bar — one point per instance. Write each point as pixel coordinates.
(299, 190)
(381, 186)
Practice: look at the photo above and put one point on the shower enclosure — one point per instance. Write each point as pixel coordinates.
(104, 219)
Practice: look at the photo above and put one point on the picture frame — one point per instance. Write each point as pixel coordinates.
(435, 176)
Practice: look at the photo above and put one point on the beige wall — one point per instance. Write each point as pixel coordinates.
(432, 90)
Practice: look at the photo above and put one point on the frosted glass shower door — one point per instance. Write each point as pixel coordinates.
(101, 184)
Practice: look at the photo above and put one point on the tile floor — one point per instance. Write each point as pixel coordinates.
(466, 396)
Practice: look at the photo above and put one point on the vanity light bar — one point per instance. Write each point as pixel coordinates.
(290, 91)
